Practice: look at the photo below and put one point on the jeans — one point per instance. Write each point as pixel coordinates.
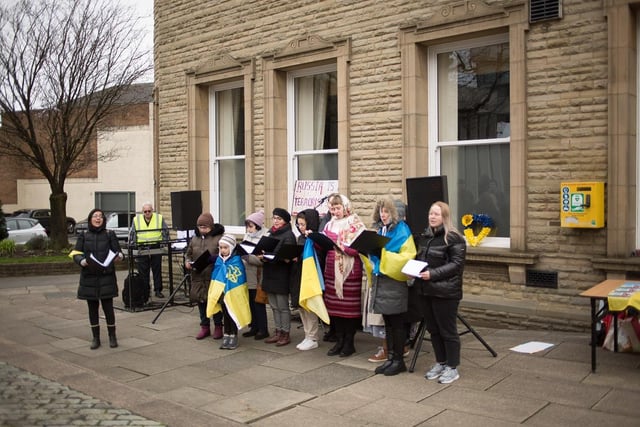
(281, 313)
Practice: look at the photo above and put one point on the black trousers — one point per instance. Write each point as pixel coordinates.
(153, 263)
(441, 317)
(107, 308)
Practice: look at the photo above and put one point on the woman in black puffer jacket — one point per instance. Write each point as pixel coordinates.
(440, 289)
(276, 276)
(98, 284)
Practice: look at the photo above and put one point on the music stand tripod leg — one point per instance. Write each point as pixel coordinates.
(478, 337)
(418, 344)
(170, 299)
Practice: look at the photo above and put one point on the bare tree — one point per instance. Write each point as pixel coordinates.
(64, 65)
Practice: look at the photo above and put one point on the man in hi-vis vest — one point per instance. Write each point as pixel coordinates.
(148, 230)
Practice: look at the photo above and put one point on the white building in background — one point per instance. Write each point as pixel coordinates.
(120, 184)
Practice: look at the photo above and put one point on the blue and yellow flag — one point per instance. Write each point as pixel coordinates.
(395, 254)
(229, 278)
(312, 283)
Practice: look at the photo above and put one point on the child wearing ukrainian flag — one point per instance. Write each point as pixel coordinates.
(228, 292)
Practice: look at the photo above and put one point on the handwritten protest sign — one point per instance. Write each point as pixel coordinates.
(308, 195)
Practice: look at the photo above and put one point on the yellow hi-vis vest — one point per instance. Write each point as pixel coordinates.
(148, 233)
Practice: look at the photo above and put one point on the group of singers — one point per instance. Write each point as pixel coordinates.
(437, 288)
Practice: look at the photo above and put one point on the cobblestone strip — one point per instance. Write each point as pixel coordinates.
(27, 400)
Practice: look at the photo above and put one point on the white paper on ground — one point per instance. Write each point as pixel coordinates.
(531, 347)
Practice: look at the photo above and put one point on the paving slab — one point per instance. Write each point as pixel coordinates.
(394, 412)
(451, 418)
(324, 379)
(570, 416)
(486, 403)
(309, 417)
(257, 403)
(563, 392)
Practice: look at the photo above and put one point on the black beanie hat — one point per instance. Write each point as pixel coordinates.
(282, 213)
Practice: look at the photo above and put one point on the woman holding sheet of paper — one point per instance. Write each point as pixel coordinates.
(440, 289)
(98, 283)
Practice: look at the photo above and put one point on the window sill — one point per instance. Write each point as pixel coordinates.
(617, 268)
(517, 262)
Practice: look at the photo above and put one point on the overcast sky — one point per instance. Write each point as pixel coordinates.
(144, 10)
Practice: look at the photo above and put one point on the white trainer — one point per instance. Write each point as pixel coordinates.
(435, 371)
(307, 344)
(448, 376)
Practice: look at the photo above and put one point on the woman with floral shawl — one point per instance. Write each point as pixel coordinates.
(343, 275)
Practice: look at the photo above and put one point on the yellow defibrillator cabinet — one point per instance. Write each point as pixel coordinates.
(582, 204)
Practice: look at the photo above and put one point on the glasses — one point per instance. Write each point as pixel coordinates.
(149, 211)
(97, 216)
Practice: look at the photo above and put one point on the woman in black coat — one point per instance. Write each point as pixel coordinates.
(440, 290)
(95, 251)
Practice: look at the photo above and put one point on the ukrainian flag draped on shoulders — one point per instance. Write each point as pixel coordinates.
(229, 278)
(312, 283)
(400, 249)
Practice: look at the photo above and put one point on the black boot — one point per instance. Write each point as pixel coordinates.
(339, 332)
(95, 343)
(397, 365)
(349, 336)
(389, 340)
(113, 342)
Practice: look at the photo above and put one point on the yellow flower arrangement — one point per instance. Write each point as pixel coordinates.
(469, 220)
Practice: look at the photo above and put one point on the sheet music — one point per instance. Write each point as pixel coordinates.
(110, 256)
(247, 248)
(413, 267)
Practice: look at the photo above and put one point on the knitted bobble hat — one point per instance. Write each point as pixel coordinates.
(228, 240)
(257, 218)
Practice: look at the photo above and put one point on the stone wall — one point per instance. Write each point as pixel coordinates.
(566, 82)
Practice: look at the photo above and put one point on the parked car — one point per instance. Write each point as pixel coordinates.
(118, 222)
(21, 230)
(44, 217)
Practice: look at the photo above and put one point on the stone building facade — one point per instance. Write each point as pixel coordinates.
(564, 92)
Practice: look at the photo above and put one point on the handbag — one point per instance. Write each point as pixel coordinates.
(261, 295)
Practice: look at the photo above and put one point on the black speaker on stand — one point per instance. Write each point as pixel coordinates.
(421, 194)
(186, 207)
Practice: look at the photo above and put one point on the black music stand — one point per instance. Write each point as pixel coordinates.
(422, 329)
(186, 279)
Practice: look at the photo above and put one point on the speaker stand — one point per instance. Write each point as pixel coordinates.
(422, 329)
(186, 278)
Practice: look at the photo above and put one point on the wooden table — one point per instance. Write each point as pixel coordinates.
(597, 293)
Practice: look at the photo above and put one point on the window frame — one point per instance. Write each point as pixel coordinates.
(434, 145)
(293, 154)
(214, 159)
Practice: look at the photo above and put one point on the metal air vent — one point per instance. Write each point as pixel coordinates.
(542, 279)
(544, 10)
